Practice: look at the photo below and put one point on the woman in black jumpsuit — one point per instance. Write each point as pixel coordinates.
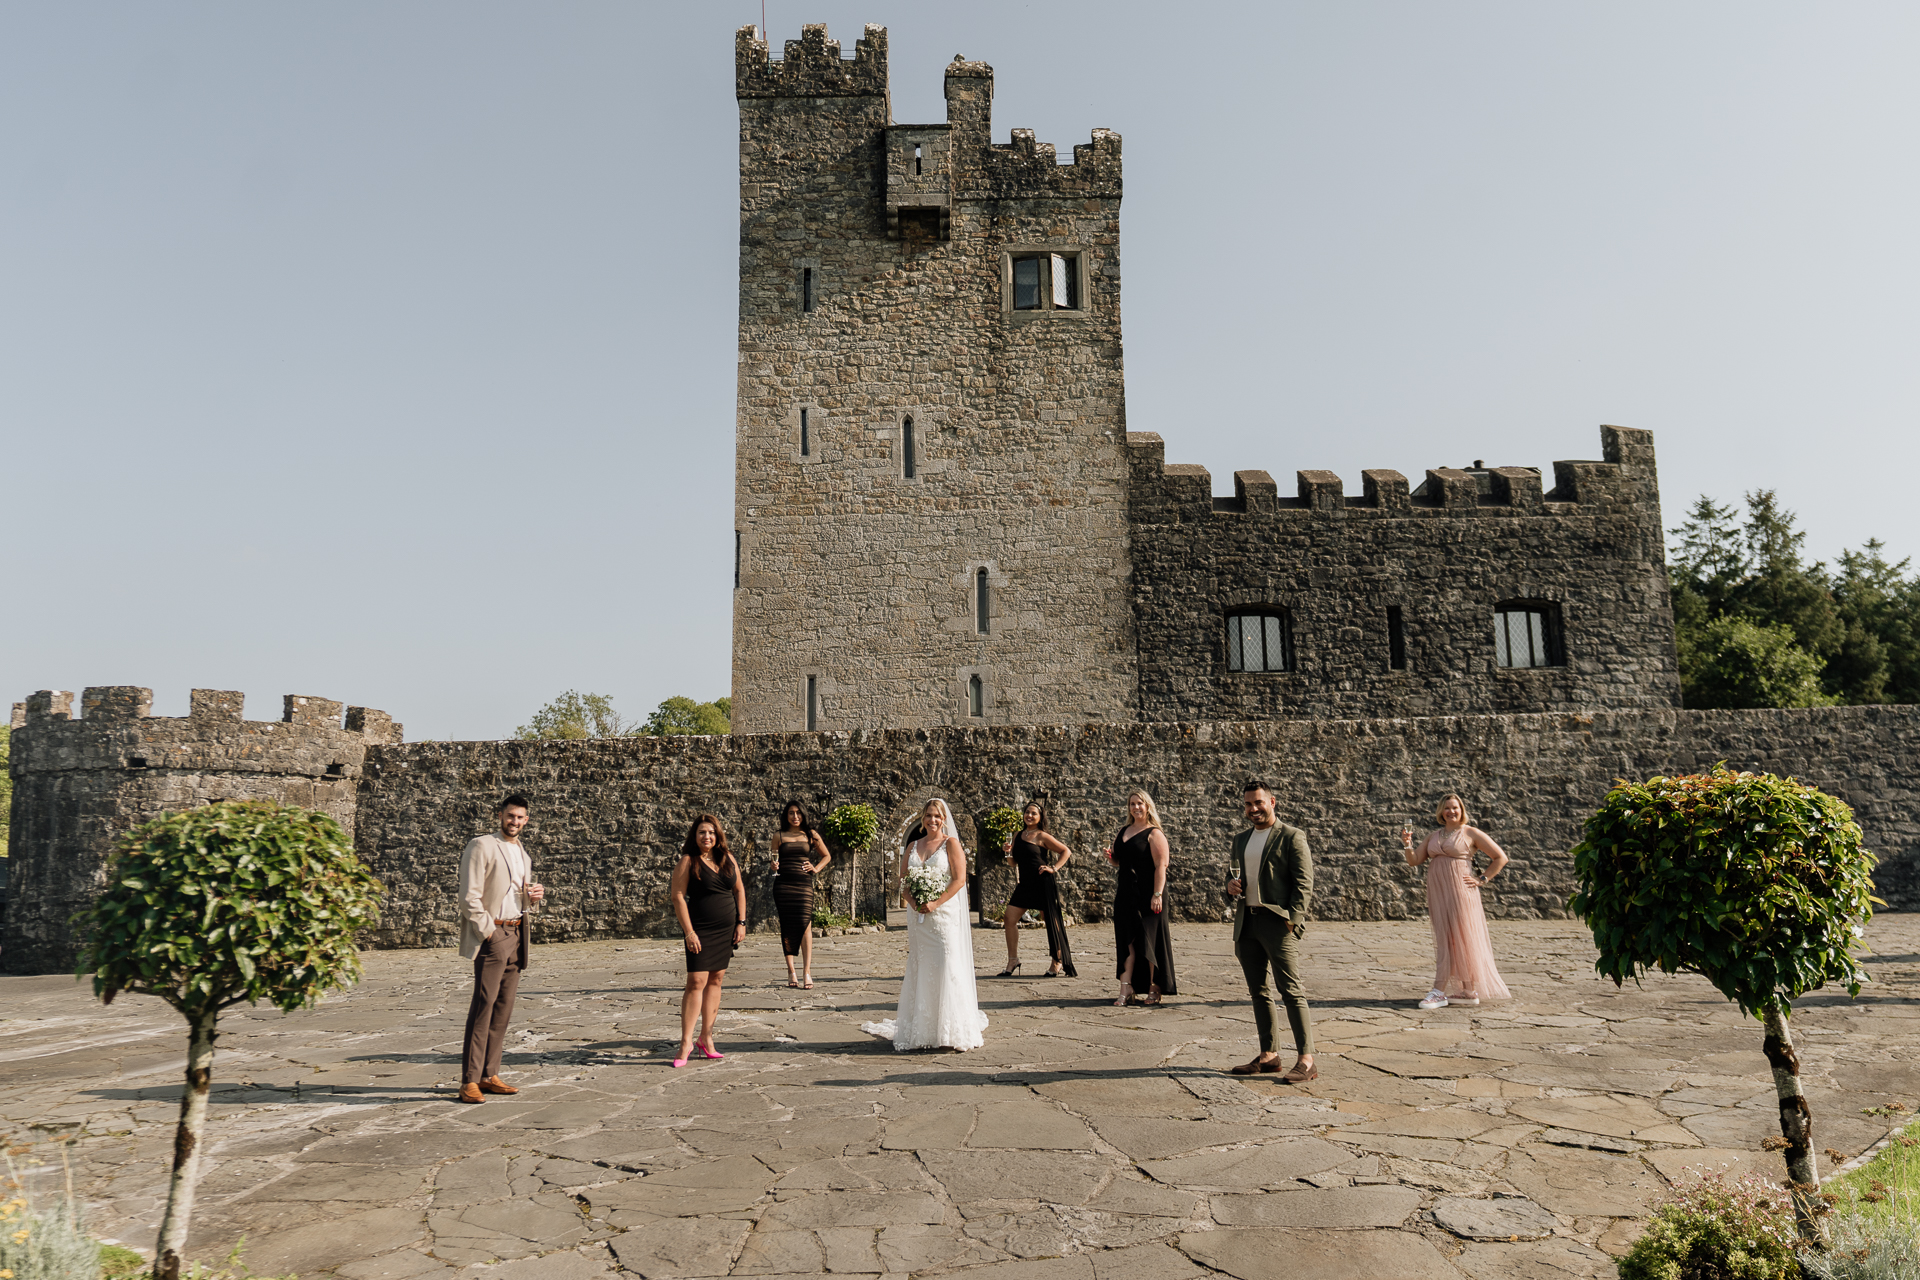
(1033, 851)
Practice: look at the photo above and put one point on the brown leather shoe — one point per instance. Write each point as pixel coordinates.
(494, 1084)
(1300, 1074)
(1254, 1067)
(469, 1093)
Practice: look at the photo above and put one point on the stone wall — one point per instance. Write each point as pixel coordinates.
(1592, 546)
(851, 571)
(609, 816)
(79, 784)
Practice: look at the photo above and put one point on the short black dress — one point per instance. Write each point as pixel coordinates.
(793, 891)
(711, 907)
(1039, 891)
(1135, 924)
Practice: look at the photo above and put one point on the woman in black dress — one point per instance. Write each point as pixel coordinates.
(796, 846)
(1144, 950)
(710, 898)
(1034, 851)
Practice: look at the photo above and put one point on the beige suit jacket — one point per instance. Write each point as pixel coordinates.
(486, 877)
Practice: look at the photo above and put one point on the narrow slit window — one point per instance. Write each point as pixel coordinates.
(976, 696)
(1066, 282)
(1026, 283)
(906, 447)
(806, 288)
(813, 703)
(806, 440)
(736, 559)
(1260, 641)
(1527, 634)
(1396, 639)
(982, 618)
(916, 159)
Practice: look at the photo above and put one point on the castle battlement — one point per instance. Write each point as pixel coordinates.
(810, 67)
(1623, 480)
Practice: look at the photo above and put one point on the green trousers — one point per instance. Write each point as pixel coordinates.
(1267, 942)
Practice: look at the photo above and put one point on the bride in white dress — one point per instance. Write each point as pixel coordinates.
(939, 1006)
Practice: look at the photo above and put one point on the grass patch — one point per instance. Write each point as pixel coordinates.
(1876, 1220)
(117, 1261)
(1887, 1186)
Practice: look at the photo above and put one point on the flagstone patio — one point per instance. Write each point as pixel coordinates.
(1084, 1142)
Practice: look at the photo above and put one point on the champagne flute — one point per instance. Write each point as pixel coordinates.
(1406, 835)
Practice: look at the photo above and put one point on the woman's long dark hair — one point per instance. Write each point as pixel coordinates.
(721, 854)
(1040, 803)
(806, 819)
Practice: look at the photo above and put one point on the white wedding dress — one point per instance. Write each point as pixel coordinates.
(939, 1005)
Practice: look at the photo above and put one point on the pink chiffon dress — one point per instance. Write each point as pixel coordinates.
(1462, 951)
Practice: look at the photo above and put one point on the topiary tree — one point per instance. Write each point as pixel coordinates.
(851, 828)
(237, 900)
(1756, 883)
(999, 826)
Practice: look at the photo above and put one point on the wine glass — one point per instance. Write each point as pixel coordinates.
(1406, 834)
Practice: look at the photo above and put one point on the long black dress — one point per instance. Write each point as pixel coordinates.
(1039, 891)
(713, 911)
(793, 891)
(1135, 924)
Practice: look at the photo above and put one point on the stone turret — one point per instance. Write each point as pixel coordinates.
(80, 783)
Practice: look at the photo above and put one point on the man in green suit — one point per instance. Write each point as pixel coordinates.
(1270, 877)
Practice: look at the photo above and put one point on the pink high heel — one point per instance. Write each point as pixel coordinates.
(707, 1053)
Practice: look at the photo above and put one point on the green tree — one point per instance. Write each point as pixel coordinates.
(1757, 883)
(1779, 587)
(577, 715)
(1731, 662)
(1879, 657)
(237, 900)
(684, 715)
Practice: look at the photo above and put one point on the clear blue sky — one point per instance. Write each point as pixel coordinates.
(384, 351)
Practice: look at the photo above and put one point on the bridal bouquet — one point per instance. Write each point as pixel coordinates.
(924, 884)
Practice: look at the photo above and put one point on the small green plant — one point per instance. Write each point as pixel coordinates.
(1876, 1225)
(825, 919)
(1713, 1228)
(234, 901)
(38, 1242)
(999, 826)
(117, 1262)
(1757, 883)
(851, 827)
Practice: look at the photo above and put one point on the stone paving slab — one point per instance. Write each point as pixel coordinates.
(1083, 1143)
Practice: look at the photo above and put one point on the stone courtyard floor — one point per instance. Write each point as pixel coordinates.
(1083, 1142)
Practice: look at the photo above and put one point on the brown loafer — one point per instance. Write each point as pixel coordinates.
(1250, 1068)
(469, 1093)
(494, 1084)
(1299, 1074)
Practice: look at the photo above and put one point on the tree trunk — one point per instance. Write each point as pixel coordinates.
(1796, 1124)
(167, 1259)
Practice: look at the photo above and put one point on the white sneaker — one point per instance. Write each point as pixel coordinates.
(1436, 999)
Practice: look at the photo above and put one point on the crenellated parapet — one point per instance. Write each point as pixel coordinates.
(80, 782)
(1624, 482)
(810, 67)
(1024, 168)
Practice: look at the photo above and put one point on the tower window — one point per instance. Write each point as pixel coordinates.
(906, 447)
(1260, 641)
(806, 288)
(1047, 282)
(806, 441)
(813, 703)
(736, 559)
(1026, 283)
(916, 159)
(1066, 282)
(976, 697)
(1526, 633)
(1396, 640)
(982, 617)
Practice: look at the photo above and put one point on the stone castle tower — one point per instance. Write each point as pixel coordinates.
(931, 465)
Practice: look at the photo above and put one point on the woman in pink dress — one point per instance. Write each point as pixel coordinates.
(1463, 968)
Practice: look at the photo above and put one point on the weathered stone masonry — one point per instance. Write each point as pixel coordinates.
(78, 784)
(609, 816)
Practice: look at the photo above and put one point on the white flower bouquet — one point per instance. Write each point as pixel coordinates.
(924, 884)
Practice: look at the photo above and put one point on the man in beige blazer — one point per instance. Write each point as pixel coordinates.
(496, 884)
(1270, 876)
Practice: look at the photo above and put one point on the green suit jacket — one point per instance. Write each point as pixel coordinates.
(1286, 876)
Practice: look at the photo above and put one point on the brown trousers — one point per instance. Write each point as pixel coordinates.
(496, 977)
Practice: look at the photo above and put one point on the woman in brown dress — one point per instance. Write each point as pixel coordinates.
(710, 899)
(1143, 949)
(1039, 857)
(799, 854)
